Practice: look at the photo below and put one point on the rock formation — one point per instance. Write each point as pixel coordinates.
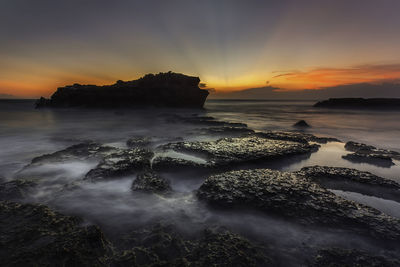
(163, 89)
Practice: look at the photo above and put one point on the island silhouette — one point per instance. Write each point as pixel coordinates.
(167, 89)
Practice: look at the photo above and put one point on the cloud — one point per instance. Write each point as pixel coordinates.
(328, 77)
(366, 90)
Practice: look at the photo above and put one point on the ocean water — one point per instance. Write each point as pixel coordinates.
(26, 133)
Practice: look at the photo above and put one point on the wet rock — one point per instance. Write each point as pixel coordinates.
(296, 137)
(139, 141)
(121, 162)
(170, 164)
(150, 182)
(16, 189)
(82, 151)
(366, 149)
(227, 151)
(34, 235)
(339, 173)
(373, 159)
(293, 196)
(351, 257)
(353, 180)
(369, 154)
(301, 124)
(164, 89)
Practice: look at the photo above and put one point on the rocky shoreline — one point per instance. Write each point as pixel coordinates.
(235, 181)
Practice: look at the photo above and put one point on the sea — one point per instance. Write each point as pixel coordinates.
(26, 133)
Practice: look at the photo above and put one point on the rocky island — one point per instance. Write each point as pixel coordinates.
(163, 89)
(361, 103)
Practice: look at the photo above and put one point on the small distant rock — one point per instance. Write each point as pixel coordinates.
(301, 124)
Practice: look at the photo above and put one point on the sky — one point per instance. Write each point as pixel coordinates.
(230, 44)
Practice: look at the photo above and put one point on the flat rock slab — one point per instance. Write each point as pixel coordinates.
(296, 137)
(34, 235)
(294, 196)
(228, 151)
(122, 162)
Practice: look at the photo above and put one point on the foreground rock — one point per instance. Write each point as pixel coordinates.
(353, 257)
(361, 103)
(162, 246)
(294, 196)
(353, 180)
(163, 89)
(34, 235)
(150, 182)
(228, 151)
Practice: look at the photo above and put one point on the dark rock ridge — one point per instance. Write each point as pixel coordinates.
(366, 149)
(373, 159)
(361, 103)
(352, 180)
(163, 89)
(294, 196)
(369, 154)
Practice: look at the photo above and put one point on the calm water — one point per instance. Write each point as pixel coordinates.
(26, 133)
(379, 128)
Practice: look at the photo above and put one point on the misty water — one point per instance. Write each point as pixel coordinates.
(26, 133)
